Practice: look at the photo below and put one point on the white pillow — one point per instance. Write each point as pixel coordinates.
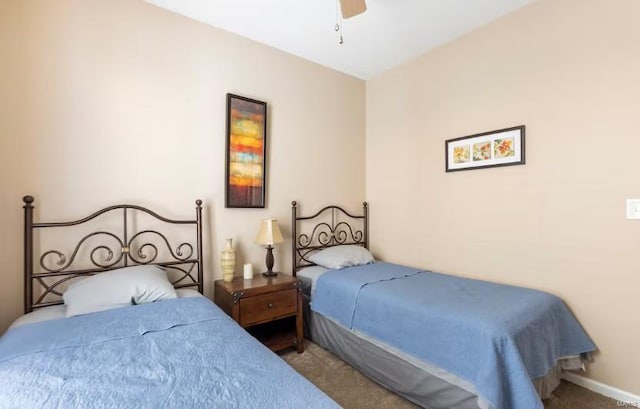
(342, 256)
(118, 288)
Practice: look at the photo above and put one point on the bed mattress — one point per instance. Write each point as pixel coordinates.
(308, 278)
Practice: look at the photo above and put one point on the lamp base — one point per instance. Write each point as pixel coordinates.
(269, 263)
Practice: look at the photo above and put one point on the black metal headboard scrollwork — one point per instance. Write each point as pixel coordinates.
(109, 248)
(330, 226)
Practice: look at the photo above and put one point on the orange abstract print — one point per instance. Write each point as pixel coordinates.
(246, 148)
(246, 142)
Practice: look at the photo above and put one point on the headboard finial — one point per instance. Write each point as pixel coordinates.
(198, 202)
(294, 203)
(28, 199)
(365, 204)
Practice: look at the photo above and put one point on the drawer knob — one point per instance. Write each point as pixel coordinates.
(270, 305)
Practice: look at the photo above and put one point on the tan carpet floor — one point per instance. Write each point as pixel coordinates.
(352, 390)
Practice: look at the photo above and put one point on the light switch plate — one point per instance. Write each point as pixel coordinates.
(633, 208)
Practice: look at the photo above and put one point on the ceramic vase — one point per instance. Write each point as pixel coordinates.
(228, 261)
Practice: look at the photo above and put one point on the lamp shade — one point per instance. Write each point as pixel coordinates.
(269, 233)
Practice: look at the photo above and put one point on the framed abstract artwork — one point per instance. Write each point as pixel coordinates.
(246, 152)
(503, 147)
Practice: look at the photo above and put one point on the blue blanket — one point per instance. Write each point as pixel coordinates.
(497, 337)
(182, 353)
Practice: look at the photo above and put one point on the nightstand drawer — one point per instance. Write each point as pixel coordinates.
(263, 308)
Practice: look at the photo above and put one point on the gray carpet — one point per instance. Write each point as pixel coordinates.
(352, 390)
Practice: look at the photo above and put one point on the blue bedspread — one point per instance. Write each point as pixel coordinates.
(497, 337)
(182, 353)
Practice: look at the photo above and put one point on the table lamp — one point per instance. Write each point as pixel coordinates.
(269, 235)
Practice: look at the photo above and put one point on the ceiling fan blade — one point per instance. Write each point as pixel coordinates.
(352, 8)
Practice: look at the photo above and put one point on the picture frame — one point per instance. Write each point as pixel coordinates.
(502, 147)
(246, 152)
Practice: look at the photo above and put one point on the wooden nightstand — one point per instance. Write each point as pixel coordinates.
(270, 309)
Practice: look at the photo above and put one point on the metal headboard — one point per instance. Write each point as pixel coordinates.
(334, 227)
(124, 250)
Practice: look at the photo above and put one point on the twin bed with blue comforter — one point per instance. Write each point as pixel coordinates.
(179, 353)
(124, 337)
(494, 337)
(441, 341)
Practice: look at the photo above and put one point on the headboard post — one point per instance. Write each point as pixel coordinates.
(199, 244)
(365, 211)
(294, 208)
(28, 252)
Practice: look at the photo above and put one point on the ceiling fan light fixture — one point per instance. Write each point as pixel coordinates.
(352, 8)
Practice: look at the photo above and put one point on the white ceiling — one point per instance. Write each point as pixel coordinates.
(389, 33)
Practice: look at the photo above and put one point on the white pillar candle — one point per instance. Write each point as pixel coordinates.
(248, 271)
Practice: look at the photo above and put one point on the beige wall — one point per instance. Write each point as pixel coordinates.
(569, 71)
(112, 101)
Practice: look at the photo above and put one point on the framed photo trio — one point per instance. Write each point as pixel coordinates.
(503, 147)
(246, 152)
